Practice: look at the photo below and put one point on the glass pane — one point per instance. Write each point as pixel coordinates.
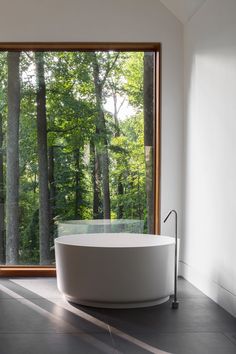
(76, 148)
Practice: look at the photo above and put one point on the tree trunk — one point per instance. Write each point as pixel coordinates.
(105, 185)
(77, 184)
(148, 134)
(2, 219)
(51, 178)
(96, 182)
(120, 192)
(44, 209)
(12, 170)
(52, 190)
(117, 125)
(101, 131)
(120, 188)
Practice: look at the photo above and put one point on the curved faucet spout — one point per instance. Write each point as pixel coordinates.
(172, 211)
(176, 221)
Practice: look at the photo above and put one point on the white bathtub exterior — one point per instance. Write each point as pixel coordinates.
(115, 270)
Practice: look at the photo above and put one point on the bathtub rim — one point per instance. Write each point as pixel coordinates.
(58, 241)
(100, 222)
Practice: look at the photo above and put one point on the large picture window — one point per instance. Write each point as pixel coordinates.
(79, 143)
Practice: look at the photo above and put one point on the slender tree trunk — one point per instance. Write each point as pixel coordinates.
(2, 219)
(51, 178)
(96, 182)
(105, 185)
(120, 188)
(117, 125)
(52, 189)
(12, 172)
(148, 134)
(120, 192)
(101, 130)
(139, 199)
(77, 184)
(44, 209)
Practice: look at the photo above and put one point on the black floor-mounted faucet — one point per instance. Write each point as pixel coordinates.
(175, 303)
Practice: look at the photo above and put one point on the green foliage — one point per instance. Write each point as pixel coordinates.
(71, 124)
(128, 167)
(133, 73)
(30, 240)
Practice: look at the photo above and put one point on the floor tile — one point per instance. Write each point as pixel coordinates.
(56, 344)
(193, 315)
(78, 321)
(43, 287)
(55, 311)
(181, 343)
(187, 290)
(42, 316)
(35, 315)
(32, 288)
(133, 345)
(23, 316)
(18, 290)
(3, 294)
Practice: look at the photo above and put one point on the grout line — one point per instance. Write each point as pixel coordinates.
(113, 342)
(109, 328)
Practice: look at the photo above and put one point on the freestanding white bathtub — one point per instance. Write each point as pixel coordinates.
(115, 270)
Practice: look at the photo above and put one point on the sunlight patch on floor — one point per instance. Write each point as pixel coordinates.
(37, 286)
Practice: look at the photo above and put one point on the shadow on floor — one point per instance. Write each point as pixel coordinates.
(199, 326)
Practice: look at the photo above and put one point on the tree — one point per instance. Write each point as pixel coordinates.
(44, 206)
(96, 181)
(120, 187)
(127, 160)
(70, 128)
(3, 95)
(12, 172)
(52, 190)
(77, 184)
(78, 157)
(148, 93)
(101, 130)
(2, 198)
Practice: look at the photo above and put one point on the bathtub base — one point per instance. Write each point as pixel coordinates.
(117, 305)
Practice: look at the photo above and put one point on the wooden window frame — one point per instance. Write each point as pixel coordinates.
(50, 271)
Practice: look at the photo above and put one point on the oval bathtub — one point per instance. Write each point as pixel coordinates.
(115, 270)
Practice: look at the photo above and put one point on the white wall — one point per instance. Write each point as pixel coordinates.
(209, 245)
(118, 21)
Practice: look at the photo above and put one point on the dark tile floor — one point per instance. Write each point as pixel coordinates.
(35, 319)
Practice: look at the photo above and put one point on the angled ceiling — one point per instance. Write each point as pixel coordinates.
(183, 9)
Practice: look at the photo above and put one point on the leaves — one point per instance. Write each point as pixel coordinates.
(71, 126)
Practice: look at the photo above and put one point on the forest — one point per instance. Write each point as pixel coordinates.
(76, 142)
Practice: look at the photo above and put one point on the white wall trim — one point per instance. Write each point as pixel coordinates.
(216, 292)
